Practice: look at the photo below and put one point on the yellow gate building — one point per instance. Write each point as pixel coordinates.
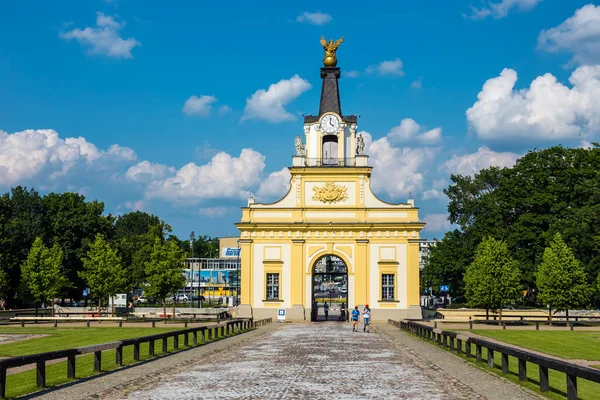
(330, 239)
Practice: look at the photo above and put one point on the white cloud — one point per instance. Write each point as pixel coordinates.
(146, 172)
(418, 84)
(269, 104)
(408, 131)
(350, 74)
(216, 212)
(42, 155)
(205, 151)
(501, 9)
(397, 170)
(393, 67)
(200, 106)
(275, 186)
(135, 205)
(104, 39)
(579, 34)
(585, 144)
(224, 110)
(316, 18)
(223, 176)
(436, 223)
(546, 110)
(470, 164)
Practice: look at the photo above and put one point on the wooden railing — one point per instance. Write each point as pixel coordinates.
(207, 333)
(447, 340)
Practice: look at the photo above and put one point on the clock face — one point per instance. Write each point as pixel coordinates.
(330, 123)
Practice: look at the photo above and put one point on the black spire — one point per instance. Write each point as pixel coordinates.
(330, 91)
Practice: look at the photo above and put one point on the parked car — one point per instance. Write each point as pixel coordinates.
(142, 300)
(182, 297)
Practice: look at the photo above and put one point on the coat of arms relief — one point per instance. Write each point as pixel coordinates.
(330, 193)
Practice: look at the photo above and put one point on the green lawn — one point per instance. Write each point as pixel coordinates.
(565, 344)
(68, 338)
(576, 345)
(64, 338)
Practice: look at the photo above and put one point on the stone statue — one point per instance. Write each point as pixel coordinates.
(360, 145)
(330, 48)
(300, 150)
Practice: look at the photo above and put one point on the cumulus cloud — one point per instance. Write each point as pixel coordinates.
(393, 67)
(223, 176)
(146, 172)
(350, 74)
(103, 39)
(269, 104)
(409, 131)
(200, 106)
(436, 223)
(418, 84)
(470, 164)
(135, 205)
(579, 34)
(501, 9)
(546, 110)
(316, 18)
(42, 155)
(397, 170)
(275, 186)
(437, 190)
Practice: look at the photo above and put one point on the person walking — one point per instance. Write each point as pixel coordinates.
(366, 318)
(355, 315)
(315, 311)
(326, 310)
(343, 312)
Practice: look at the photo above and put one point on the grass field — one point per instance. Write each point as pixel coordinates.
(564, 344)
(63, 338)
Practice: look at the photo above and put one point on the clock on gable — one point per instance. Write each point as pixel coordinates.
(330, 123)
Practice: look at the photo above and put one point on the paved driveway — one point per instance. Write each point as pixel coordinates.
(312, 361)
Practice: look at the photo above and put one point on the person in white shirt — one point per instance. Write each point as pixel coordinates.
(366, 318)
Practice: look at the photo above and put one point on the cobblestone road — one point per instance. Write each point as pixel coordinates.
(309, 361)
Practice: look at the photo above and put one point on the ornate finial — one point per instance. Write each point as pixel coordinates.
(329, 60)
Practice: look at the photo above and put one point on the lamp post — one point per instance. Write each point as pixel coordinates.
(192, 270)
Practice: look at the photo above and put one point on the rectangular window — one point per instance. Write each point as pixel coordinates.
(272, 286)
(387, 286)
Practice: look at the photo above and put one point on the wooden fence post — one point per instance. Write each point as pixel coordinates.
(119, 355)
(504, 363)
(490, 359)
(571, 387)
(186, 342)
(176, 342)
(40, 373)
(136, 351)
(544, 381)
(165, 344)
(522, 370)
(2, 381)
(477, 352)
(151, 347)
(97, 361)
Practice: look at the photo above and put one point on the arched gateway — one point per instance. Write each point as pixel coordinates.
(329, 287)
(329, 238)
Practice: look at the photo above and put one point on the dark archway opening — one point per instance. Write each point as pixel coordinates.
(330, 150)
(329, 289)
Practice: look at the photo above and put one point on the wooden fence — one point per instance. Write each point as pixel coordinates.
(447, 340)
(207, 333)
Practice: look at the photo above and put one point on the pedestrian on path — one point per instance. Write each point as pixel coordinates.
(315, 310)
(326, 310)
(343, 312)
(355, 315)
(366, 318)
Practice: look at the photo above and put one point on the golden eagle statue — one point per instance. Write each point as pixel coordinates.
(330, 48)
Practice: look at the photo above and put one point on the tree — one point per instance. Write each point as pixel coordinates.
(103, 271)
(492, 279)
(3, 283)
(43, 273)
(561, 280)
(164, 272)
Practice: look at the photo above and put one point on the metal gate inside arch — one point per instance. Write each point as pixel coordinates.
(329, 289)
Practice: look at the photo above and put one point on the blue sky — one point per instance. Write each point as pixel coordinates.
(181, 109)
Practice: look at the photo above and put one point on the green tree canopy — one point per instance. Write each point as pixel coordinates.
(43, 274)
(164, 272)
(560, 278)
(103, 271)
(492, 280)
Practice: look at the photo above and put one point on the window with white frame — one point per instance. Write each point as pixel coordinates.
(272, 286)
(387, 286)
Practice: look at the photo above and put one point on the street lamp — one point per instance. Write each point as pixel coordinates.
(192, 270)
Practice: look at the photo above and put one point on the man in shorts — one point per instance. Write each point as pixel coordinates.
(366, 318)
(355, 315)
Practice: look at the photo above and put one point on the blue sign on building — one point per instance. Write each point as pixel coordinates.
(444, 288)
(232, 252)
